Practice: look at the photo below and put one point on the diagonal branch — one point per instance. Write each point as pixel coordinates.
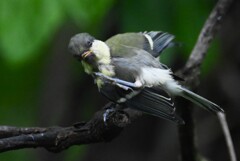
(191, 71)
(208, 32)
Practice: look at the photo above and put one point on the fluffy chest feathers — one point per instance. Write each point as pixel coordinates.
(102, 53)
(107, 70)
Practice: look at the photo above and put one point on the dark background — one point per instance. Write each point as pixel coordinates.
(42, 85)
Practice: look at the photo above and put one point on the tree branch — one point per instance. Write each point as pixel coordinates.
(56, 139)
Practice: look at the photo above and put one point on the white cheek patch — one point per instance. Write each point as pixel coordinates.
(102, 51)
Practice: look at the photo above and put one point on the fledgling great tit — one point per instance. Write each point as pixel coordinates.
(127, 70)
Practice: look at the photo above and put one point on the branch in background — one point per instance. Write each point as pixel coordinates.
(192, 71)
(205, 38)
(208, 32)
(59, 138)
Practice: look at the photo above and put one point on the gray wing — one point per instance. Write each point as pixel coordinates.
(137, 40)
(128, 68)
(155, 102)
(129, 59)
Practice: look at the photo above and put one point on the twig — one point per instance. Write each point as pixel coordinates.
(228, 138)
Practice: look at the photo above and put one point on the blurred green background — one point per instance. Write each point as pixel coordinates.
(42, 85)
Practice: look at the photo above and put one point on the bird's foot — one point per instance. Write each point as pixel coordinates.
(107, 114)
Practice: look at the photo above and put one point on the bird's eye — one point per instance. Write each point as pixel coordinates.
(89, 43)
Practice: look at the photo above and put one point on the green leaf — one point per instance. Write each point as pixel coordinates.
(26, 26)
(87, 13)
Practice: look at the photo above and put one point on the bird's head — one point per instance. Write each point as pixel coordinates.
(80, 45)
(86, 48)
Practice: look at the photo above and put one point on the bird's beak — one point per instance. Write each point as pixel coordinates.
(86, 54)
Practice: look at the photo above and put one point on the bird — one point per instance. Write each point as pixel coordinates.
(127, 70)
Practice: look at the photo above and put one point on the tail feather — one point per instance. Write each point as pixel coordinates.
(199, 100)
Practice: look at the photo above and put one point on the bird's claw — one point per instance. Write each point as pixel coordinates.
(107, 114)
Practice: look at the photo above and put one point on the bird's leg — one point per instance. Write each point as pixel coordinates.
(119, 82)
